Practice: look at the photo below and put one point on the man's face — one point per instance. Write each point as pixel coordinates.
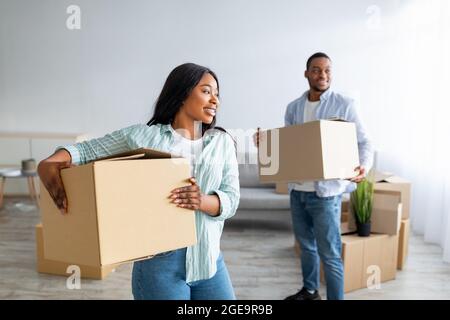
(319, 74)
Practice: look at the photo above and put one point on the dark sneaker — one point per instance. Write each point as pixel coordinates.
(305, 295)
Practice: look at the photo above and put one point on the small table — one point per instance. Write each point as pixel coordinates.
(17, 173)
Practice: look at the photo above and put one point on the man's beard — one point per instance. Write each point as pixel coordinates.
(315, 88)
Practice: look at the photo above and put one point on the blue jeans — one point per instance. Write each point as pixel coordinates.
(317, 227)
(163, 277)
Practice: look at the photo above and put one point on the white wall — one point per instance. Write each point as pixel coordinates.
(108, 74)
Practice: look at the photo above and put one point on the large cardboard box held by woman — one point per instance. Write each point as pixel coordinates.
(118, 210)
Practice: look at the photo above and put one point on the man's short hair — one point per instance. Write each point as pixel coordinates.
(316, 55)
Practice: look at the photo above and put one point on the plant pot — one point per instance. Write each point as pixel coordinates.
(363, 229)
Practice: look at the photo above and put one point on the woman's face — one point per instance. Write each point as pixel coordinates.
(202, 103)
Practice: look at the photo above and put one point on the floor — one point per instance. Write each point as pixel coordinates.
(258, 251)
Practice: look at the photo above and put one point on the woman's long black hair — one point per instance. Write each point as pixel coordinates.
(178, 86)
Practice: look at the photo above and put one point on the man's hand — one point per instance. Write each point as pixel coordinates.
(360, 176)
(189, 197)
(256, 138)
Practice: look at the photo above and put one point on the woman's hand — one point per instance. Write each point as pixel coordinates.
(49, 171)
(189, 197)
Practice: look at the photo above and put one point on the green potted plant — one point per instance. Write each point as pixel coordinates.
(361, 200)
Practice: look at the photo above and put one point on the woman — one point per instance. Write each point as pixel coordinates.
(188, 100)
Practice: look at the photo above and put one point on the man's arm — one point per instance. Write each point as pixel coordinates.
(365, 146)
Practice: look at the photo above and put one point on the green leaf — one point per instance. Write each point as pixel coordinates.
(361, 201)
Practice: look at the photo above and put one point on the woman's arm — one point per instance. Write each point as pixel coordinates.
(80, 153)
(110, 144)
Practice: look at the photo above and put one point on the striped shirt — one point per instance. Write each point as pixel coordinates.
(216, 173)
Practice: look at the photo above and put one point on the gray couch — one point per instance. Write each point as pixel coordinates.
(257, 198)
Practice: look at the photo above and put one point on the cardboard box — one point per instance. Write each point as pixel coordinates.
(118, 210)
(316, 150)
(44, 265)
(281, 188)
(346, 216)
(364, 257)
(386, 213)
(360, 254)
(403, 241)
(345, 205)
(377, 250)
(388, 182)
(346, 226)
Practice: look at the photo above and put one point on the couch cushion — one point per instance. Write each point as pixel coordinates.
(249, 177)
(263, 198)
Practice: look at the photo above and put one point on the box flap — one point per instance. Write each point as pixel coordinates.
(379, 176)
(382, 176)
(335, 119)
(396, 179)
(141, 153)
(386, 212)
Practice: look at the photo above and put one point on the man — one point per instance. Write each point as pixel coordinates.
(316, 205)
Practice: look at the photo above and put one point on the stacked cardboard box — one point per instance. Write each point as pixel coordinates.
(346, 218)
(368, 260)
(376, 258)
(389, 182)
(118, 211)
(385, 181)
(386, 213)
